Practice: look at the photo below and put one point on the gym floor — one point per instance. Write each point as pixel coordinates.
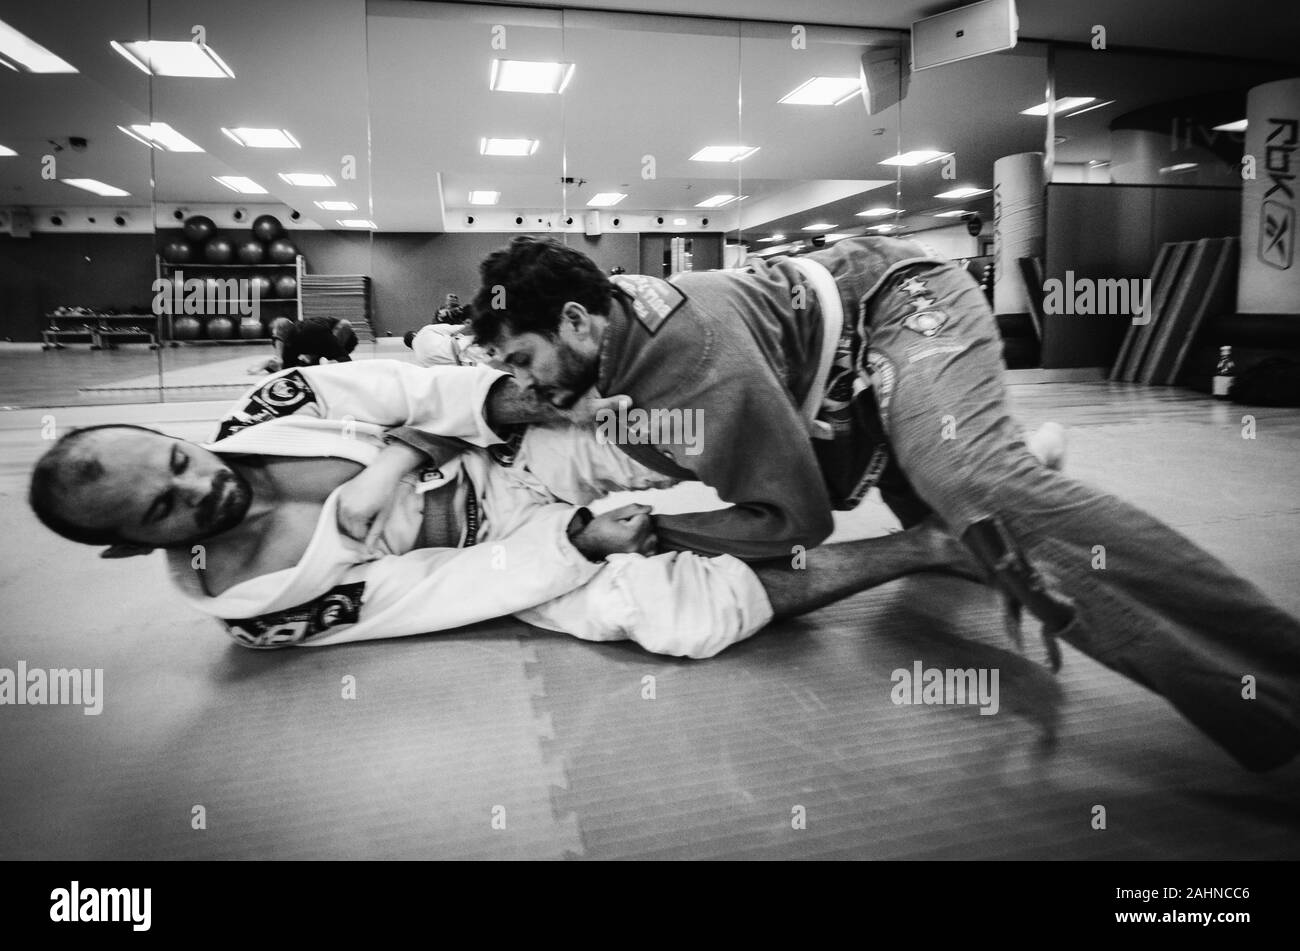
(502, 741)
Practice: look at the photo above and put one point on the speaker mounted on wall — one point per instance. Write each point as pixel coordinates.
(884, 80)
(989, 26)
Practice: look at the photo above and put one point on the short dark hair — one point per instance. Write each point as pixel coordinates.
(408, 337)
(538, 276)
(63, 469)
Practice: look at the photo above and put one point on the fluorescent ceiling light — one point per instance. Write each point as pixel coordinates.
(883, 227)
(263, 138)
(1180, 167)
(1064, 104)
(966, 191)
(336, 206)
(679, 221)
(820, 226)
(724, 153)
(775, 237)
(1238, 126)
(823, 91)
(513, 147)
(513, 75)
(717, 201)
(877, 212)
(1080, 112)
(6, 151)
(484, 197)
(238, 183)
(915, 157)
(159, 135)
(357, 223)
(99, 188)
(174, 58)
(956, 213)
(29, 54)
(307, 179)
(605, 199)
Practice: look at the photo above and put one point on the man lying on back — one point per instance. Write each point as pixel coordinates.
(275, 529)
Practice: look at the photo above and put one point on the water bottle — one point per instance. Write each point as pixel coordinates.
(1224, 373)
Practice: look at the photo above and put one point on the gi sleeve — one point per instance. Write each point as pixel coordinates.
(432, 589)
(756, 453)
(447, 401)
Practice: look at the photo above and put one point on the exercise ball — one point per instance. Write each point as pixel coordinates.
(199, 228)
(220, 328)
(260, 287)
(219, 250)
(177, 251)
(286, 285)
(185, 328)
(281, 251)
(250, 328)
(250, 252)
(267, 227)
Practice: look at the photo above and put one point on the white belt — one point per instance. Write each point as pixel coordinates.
(828, 296)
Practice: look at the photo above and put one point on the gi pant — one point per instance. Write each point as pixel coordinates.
(1162, 611)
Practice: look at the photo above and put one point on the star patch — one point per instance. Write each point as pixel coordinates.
(926, 322)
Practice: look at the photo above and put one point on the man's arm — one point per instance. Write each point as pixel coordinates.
(435, 589)
(754, 450)
(447, 401)
(509, 406)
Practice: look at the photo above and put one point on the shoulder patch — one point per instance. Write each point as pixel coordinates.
(340, 605)
(654, 300)
(282, 396)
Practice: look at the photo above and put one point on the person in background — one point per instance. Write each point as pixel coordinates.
(440, 345)
(451, 312)
(309, 342)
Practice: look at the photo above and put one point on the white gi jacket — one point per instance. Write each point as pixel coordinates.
(517, 558)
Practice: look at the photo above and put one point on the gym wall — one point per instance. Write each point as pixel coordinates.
(1115, 231)
(46, 271)
(706, 253)
(410, 273)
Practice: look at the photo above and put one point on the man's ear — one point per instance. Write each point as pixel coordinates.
(576, 316)
(125, 550)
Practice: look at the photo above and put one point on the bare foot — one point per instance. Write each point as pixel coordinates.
(1048, 443)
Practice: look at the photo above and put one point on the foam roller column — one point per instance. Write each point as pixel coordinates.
(1017, 228)
(1269, 273)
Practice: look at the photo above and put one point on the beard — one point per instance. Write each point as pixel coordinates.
(576, 375)
(226, 505)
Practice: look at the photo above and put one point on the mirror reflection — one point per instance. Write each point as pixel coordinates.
(262, 200)
(76, 255)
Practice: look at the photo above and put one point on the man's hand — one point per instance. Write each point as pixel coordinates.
(625, 530)
(363, 505)
(593, 407)
(364, 500)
